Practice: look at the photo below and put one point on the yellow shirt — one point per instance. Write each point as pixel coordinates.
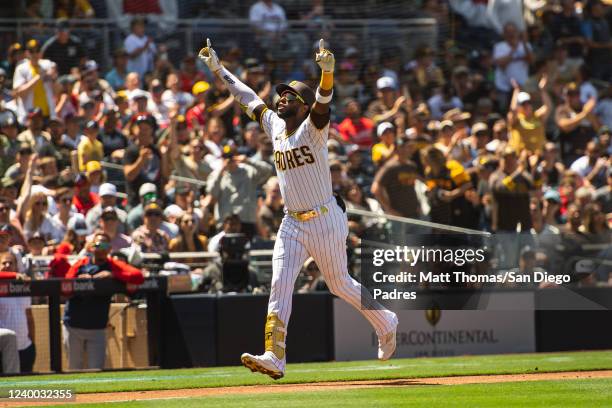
(381, 151)
(40, 95)
(527, 133)
(88, 151)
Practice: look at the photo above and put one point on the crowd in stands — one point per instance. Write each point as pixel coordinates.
(156, 154)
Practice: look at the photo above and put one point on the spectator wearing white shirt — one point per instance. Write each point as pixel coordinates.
(33, 83)
(140, 48)
(512, 58)
(267, 16)
(16, 315)
(592, 167)
(174, 96)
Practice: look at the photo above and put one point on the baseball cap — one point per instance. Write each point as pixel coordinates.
(523, 97)
(2, 72)
(446, 124)
(299, 88)
(109, 211)
(252, 125)
(479, 127)
(92, 166)
(90, 66)
(152, 208)
(62, 24)
(200, 87)
(138, 94)
(147, 188)
(253, 65)
(78, 225)
(7, 120)
(383, 127)
(604, 130)
(107, 189)
(552, 195)
(34, 112)
(32, 45)
(91, 124)
(173, 210)
(36, 236)
(25, 148)
(5, 229)
(386, 83)
(120, 52)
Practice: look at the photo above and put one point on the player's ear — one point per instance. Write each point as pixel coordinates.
(305, 109)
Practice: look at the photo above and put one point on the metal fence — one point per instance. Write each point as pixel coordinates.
(372, 37)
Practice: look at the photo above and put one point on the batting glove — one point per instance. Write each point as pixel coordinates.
(325, 58)
(209, 56)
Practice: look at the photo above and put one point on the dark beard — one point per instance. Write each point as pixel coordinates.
(288, 113)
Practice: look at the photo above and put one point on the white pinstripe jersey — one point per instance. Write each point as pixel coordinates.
(301, 162)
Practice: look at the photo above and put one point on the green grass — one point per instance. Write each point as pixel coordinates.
(545, 394)
(313, 372)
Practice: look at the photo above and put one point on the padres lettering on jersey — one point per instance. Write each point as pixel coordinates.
(290, 159)
(301, 162)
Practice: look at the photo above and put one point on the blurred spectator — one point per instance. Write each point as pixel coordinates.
(142, 160)
(451, 195)
(603, 195)
(527, 125)
(65, 212)
(140, 48)
(36, 219)
(34, 135)
(14, 55)
(577, 123)
(510, 186)
(394, 185)
(75, 237)
(268, 20)
(93, 172)
(33, 83)
(90, 148)
(16, 315)
(356, 129)
(231, 225)
(113, 141)
(149, 237)
(74, 9)
(84, 200)
(110, 223)
(270, 213)
(382, 150)
(108, 198)
(592, 167)
(512, 58)
(9, 227)
(313, 278)
(146, 193)
(9, 144)
(63, 49)
(173, 97)
(233, 187)
(188, 239)
(388, 105)
(86, 317)
(189, 74)
(565, 28)
(116, 76)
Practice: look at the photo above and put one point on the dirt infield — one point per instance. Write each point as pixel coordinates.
(323, 386)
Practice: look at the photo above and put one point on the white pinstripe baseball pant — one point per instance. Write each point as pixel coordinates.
(323, 238)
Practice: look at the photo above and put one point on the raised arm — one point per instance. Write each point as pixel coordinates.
(248, 99)
(320, 111)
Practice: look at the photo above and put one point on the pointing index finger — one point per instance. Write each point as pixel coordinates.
(208, 42)
(321, 45)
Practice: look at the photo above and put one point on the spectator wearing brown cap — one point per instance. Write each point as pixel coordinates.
(33, 83)
(149, 237)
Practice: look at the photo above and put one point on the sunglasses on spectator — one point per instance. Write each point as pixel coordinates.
(153, 214)
(189, 221)
(102, 245)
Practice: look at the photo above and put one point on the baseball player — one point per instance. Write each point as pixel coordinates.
(315, 222)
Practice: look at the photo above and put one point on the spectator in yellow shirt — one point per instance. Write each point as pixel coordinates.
(528, 126)
(382, 150)
(90, 148)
